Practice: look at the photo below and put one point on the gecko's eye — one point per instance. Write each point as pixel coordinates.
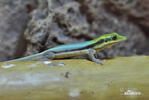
(114, 37)
(106, 40)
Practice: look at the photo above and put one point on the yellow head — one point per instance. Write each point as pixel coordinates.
(107, 40)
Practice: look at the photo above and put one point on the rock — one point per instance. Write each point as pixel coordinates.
(119, 78)
(56, 22)
(60, 22)
(14, 15)
(135, 10)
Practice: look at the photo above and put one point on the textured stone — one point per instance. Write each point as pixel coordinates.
(61, 22)
(56, 22)
(13, 20)
(122, 78)
(105, 22)
(136, 11)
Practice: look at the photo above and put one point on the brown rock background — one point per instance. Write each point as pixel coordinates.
(31, 26)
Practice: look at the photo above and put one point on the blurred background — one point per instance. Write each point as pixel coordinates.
(32, 26)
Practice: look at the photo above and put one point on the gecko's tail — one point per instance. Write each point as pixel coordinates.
(31, 57)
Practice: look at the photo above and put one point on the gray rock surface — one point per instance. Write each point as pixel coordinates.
(137, 11)
(56, 22)
(61, 22)
(14, 15)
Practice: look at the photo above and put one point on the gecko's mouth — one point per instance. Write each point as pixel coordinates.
(109, 45)
(122, 38)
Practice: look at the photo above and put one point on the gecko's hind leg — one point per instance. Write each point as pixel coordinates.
(51, 55)
(91, 55)
(47, 56)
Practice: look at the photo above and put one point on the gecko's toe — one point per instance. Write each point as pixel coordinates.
(49, 55)
(99, 61)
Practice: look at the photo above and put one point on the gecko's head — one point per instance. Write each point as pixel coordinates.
(108, 40)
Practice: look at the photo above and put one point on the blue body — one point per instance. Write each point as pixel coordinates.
(61, 48)
(70, 47)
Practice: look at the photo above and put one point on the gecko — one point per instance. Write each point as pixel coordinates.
(89, 48)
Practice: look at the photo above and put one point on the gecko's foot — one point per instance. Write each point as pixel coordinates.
(98, 61)
(44, 58)
(49, 55)
(91, 55)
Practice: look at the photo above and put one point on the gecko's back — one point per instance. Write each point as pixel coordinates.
(70, 47)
